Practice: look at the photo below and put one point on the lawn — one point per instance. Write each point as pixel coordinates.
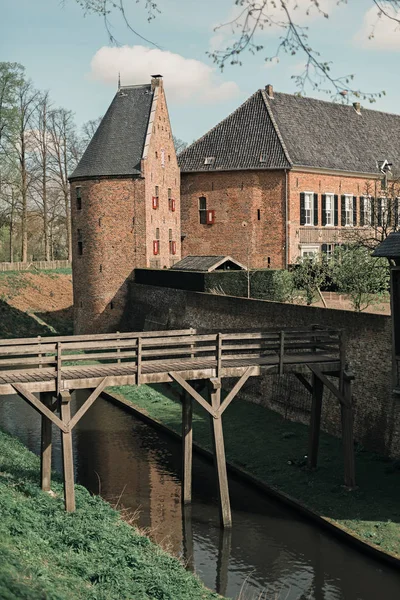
(90, 554)
(273, 449)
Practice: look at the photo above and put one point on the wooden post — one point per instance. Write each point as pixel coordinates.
(224, 551)
(315, 421)
(40, 354)
(67, 455)
(139, 360)
(281, 351)
(118, 349)
(187, 537)
(59, 367)
(347, 435)
(219, 458)
(45, 450)
(187, 450)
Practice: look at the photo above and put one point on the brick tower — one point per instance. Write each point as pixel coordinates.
(125, 205)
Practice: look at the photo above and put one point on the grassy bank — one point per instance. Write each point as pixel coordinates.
(273, 449)
(90, 554)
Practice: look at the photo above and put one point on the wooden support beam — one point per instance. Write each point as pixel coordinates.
(38, 405)
(186, 386)
(67, 454)
(187, 529)
(88, 403)
(305, 382)
(331, 386)
(187, 450)
(220, 461)
(315, 421)
(45, 444)
(348, 437)
(281, 351)
(236, 389)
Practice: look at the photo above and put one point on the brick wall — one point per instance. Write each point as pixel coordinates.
(324, 184)
(111, 228)
(249, 211)
(377, 411)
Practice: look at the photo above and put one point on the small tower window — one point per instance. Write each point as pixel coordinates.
(80, 242)
(203, 210)
(169, 193)
(156, 191)
(157, 233)
(78, 192)
(156, 154)
(258, 214)
(170, 234)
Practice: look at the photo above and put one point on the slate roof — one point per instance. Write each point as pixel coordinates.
(304, 132)
(238, 142)
(117, 146)
(390, 247)
(204, 263)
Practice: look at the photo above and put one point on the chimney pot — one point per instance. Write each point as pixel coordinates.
(270, 91)
(156, 81)
(357, 107)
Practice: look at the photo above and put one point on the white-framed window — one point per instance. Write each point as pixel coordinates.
(348, 210)
(329, 210)
(309, 251)
(367, 211)
(309, 208)
(328, 250)
(384, 211)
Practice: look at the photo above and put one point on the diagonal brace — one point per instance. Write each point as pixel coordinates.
(335, 391)
(39, 406)
(237, 387)
(195, 395)
(87, 404)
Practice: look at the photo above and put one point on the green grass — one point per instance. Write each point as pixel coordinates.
(89, 554)
(273, 449)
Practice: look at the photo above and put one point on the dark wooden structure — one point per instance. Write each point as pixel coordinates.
(55, 366)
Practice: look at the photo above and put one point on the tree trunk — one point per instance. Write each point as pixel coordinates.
(68, 223)
(11, 241)
(24, 195)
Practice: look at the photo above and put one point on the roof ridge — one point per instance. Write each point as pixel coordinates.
(275, 125)
(348, 105)
(218, 124)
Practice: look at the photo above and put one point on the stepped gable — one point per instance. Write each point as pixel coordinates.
(335, 136)
(246, 139)
(117, 146)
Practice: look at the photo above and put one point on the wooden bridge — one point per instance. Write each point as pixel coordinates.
(53, 367)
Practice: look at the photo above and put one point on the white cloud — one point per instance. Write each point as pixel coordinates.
(379, 32)
(184, 78)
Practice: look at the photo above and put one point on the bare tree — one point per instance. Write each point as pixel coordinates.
(64, 154)
(88, 130)
(179, 144)
(41, 140)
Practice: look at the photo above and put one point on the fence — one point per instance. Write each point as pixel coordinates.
(41, 265)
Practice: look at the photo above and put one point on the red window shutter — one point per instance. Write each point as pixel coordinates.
(210, 217)
(173, 247)
(156, 246)
(173, 204)
(155, 202)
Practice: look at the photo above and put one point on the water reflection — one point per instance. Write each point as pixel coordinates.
(269, 548)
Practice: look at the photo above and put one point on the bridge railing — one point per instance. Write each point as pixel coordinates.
(166, 349)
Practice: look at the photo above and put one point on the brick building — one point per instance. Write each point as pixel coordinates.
(285, 176)
(125, 203)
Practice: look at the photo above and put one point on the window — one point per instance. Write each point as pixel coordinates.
(169, 193)
(329, 210)
(366, 210)
(258, 214)
(328, 250)
(170, 234)
(203, 210)
(157, 233)
(78, 191)
(163, 157)
(156, 154)
(156, 191)
(348, 210)
(209, 160)
(309, 251)
(309, 208)
(80, 242)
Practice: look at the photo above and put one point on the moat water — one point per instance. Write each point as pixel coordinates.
(271, 553)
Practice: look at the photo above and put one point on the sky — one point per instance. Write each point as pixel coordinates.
(70, 55)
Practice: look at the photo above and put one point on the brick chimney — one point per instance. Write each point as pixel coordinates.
(156, 81)
(270, 91)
